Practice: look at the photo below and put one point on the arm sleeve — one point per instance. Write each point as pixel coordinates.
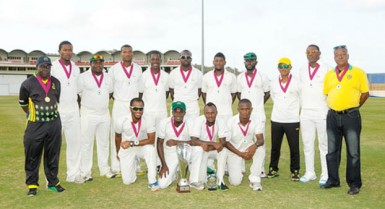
(23, 95)
(233, 84)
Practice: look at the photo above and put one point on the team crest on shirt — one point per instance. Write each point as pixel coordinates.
(53, 86)
(349, 76)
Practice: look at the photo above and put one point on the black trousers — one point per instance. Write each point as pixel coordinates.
(291, 130)
(41, 136)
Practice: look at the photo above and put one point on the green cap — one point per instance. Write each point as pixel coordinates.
(178, 104)
(250, 56)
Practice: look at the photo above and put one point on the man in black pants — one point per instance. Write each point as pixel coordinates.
(39, 97)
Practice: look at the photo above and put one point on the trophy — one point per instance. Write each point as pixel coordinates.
(184, 154)
(212, 182)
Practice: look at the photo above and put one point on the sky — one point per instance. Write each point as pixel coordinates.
(270, 28)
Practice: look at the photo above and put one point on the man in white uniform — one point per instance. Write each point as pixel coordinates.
(138, 136)
(153, 88)
(125, 76)
(67, 73)
(185, 85)
(313, 113)
(95, 89)
(254, 86)
(210, 133)
(220, 87)
(172, 131)
(285, 94)
(245, 142)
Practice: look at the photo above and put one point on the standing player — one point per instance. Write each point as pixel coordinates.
(67, 73)
(125, 76)
(245, 142)
(254, 86)
(210, 133)
(153, 88)
(313, 113)
(39, 97)
(285, 119)
(172, 131)
(95, 88)
(220, 87)
(185, 85)
(138, 136)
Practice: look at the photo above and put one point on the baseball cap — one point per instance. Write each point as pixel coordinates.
(97, 57)
(43, 60)
(250, 56)
(178, 104)
(284, 60)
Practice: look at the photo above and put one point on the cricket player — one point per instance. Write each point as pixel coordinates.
(172, 131)
(185, 85)
(210, 133)
(138, 136)
(68, 73)
(95, 89)
(245, 142)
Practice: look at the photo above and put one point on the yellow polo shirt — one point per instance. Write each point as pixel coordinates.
(345, 94)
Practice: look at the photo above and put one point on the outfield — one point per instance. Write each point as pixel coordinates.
(277, 193)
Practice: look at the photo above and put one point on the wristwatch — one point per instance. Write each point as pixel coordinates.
(131, 143)
(136, 142)
(256, 143)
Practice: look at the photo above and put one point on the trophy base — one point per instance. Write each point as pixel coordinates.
(183, 189)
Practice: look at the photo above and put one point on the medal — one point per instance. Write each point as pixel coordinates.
(47, 99)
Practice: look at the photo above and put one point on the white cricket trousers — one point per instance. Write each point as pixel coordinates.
(171, 158)
(120, 109)
(234, 164)
(95, 126)
(221, 164)
(128, 162)
(312, 122)
(71, 128)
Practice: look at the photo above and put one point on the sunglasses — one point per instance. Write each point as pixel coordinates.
(137, 108)
(311, 52)
(339, 47)
(283, 67)
(97, 57)
(183, 57)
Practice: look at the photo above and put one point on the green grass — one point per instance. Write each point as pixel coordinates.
(111, 193)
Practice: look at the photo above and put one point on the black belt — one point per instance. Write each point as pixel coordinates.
(345, 111)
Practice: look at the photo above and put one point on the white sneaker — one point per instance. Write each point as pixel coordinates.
(197, 186)
(109, 175)
(306, 178)
(256, 186)
(322, 182)
(88, 178)
(79, 180)
(154, 186)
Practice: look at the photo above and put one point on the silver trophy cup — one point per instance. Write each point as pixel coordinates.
(184, 154)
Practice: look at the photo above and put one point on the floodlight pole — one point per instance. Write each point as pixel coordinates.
(203, 40)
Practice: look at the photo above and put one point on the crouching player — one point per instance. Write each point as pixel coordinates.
(138, 136)
(245, 142)
(210, 133)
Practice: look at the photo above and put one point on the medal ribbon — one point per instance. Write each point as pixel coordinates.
(210, 133)
(177, 133)
(311, 75)
(46, 87)
(250, 82)
(136, 131)
(98, 82)
(185, 78)
(68, 74)
(284, 88)
(219, 82)
(341, 75)
(244, 132)
(155, 78)
(128, 74)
